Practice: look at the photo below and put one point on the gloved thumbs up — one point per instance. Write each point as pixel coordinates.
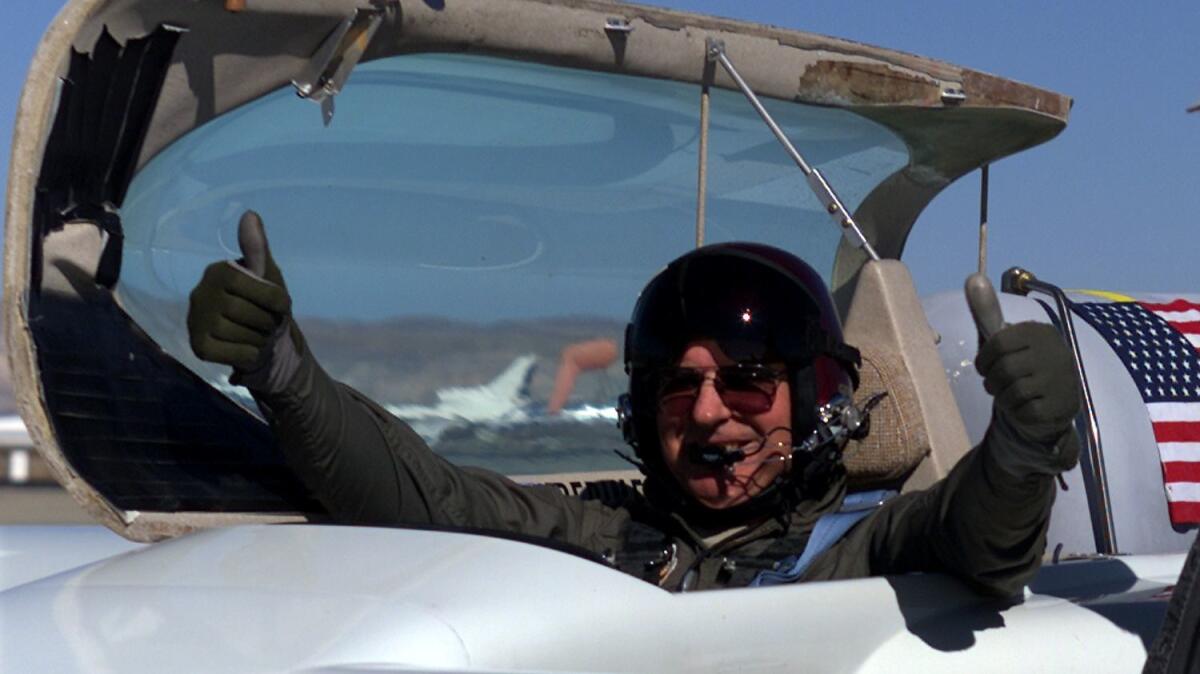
(1029, 371)
(239, 311)
(984, 305)
(1031, 374)
(256, 252)
(252, 239)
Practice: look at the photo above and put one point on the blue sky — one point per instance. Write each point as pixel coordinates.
(1111, 203)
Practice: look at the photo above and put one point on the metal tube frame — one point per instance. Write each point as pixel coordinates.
(1018, 281)
(820, 187)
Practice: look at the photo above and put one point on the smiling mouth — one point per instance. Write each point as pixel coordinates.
(723, 457)
(715, 456)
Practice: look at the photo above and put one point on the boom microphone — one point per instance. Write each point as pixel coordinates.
(714, 456)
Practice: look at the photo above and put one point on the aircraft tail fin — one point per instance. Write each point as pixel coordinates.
(513, 382)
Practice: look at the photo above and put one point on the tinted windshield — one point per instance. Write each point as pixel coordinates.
(466, 221)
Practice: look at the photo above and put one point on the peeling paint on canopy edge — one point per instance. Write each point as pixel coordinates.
(778, 63)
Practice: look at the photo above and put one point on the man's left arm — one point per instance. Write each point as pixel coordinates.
(986, 521)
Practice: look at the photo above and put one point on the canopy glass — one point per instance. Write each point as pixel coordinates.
(464, 219)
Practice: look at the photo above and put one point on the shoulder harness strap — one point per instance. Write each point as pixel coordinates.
(830, 529)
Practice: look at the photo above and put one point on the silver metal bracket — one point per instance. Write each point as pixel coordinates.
(615, 24)
(838, 421)
(333, 62)
(714, 48)
(715, 52)
(952, 95)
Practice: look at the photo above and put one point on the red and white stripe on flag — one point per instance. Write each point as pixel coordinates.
(1177, 432)
(1177, 424)
(1184, 316)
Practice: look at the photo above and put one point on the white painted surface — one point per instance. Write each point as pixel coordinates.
(31, 552)
(287, 598)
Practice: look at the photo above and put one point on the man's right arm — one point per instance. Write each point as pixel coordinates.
(368, 467)
(363, 464)
(340, 447)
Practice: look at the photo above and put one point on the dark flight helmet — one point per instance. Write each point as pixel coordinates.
(760, 305)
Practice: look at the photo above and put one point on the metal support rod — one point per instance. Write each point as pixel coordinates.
(983, 219)
(1017, 281)
(702, 172)
(825, 194)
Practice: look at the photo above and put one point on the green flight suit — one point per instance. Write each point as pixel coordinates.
(980, 523)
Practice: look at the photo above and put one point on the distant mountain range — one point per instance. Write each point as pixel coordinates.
(448, 379)
(408, 360)
(411, 362)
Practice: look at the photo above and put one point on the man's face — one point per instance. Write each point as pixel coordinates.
(707, 419)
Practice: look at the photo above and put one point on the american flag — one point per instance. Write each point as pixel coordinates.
(1159, 343)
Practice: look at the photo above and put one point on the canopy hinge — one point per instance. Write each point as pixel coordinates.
(333, 62)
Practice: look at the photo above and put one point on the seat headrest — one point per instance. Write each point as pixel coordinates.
(898, 440)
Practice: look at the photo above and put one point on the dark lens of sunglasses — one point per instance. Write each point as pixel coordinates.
(746, 402)
(680, 383)
(748, 391)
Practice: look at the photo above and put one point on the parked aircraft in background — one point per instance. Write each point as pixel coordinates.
(13, 433)
(482, 197)
(504, 401)
(15, 451)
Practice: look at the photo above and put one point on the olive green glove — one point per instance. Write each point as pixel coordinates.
(1030, 372)
(239, 313)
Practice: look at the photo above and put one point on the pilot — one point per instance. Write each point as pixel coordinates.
(738, 376)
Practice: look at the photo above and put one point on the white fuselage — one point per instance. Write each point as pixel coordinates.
(288, 598)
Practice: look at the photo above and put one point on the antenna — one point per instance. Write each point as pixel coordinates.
(702, 172)
(983, 218)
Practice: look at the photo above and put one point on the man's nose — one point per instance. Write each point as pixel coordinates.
(709, 409)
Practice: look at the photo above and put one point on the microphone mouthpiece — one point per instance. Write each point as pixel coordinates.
(713, 455)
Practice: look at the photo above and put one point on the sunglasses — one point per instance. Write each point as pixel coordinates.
(746, 388)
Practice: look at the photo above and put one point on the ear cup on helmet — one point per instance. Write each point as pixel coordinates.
(625, 419)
